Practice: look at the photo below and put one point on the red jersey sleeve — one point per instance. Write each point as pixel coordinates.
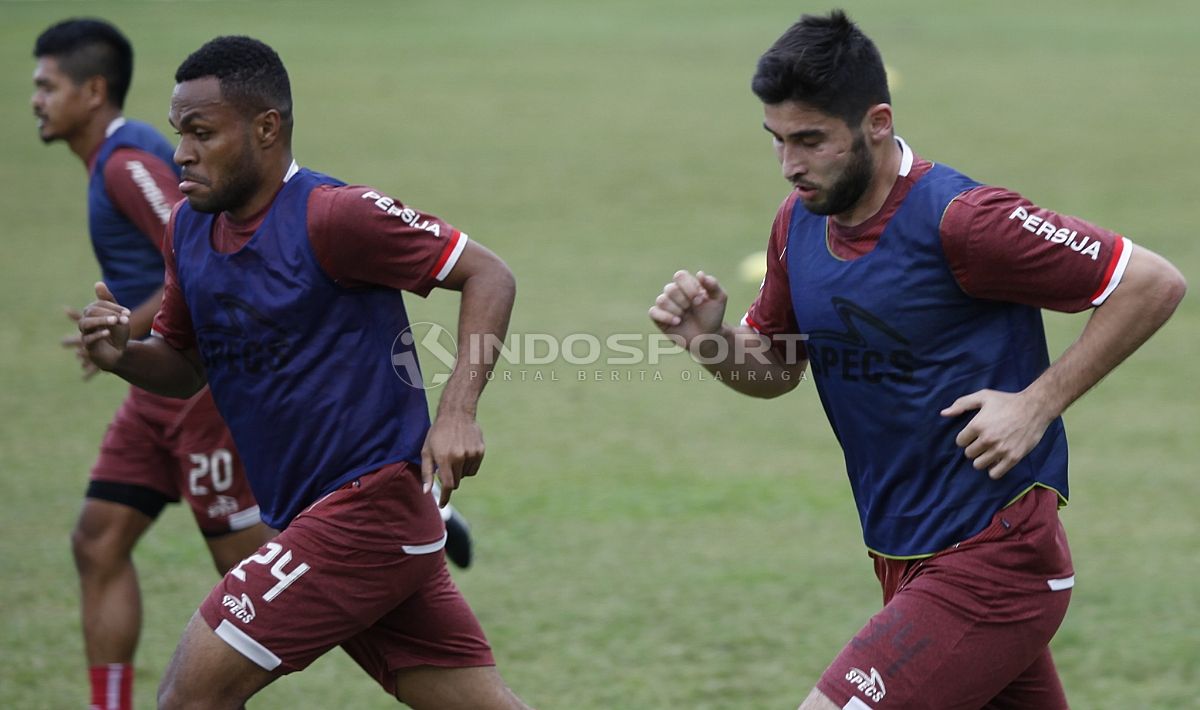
(364, 238)
(1002, 247)
(771, 312)
(173, 322)
(143, 188)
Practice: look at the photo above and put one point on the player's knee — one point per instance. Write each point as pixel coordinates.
(168, 696)
(817, 700)
(95, 554)
(173, 695)
(170, 692)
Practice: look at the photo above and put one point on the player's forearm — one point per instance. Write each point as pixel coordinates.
(487, 302)
(1146, 297)
(142, 317)
(157, 367)
(745, 361)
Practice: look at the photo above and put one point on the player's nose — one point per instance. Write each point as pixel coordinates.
(792, 163)
(184, 155)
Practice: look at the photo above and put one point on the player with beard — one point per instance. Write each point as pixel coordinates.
(157, 450)
(918, 293)
(283, 292)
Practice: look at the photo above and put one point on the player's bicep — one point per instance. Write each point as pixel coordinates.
(1002, 247)
(192, 355)
(143, 189)
(363, 238)
(473, 260)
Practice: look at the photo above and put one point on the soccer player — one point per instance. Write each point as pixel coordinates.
(283, 291)
(919, 292)
(156, 450)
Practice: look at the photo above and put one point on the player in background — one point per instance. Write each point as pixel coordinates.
(283, 291)
(919, 291)
(157, 449)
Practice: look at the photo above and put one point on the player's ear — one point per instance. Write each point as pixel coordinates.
(268, 128)
(95, 90)
(877, 123)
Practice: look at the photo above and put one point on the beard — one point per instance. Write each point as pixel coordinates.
(850, 185)
(236, 189)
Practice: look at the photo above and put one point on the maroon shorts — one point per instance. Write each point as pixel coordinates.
(177, 449)
(362, 568)
(968, 627)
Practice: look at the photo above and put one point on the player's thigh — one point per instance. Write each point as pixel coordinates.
(231, 548)
(429, 688)
(921, 651)
(209, 471)
(433, 628)
(817, 700)
(329, 577)
(106, 532)
(1037, 688)
(206, 672)
(135, 465)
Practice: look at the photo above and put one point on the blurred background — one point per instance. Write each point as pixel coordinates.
(645, 537)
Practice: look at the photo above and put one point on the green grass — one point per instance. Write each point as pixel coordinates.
(661, 544)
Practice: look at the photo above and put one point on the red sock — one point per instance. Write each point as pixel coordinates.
(112, 686)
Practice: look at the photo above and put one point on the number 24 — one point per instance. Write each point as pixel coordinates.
(265, 558)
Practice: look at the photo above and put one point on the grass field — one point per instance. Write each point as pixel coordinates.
(641, 544)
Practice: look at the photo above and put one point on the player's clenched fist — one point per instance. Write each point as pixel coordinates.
(104, 328)
(690, 306)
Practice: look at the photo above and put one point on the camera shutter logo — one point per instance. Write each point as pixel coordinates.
(437, 351)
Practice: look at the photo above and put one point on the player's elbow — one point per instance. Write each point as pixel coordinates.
(1175, 287)
(1167, 288)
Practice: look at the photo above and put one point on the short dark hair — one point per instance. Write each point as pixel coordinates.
(250, 74)
(87, 47)
(824, 62)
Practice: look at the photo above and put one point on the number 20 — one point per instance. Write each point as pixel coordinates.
(219, 464)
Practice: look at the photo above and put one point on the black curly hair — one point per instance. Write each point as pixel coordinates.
(824, 62)
(87, 47)
(250, 74)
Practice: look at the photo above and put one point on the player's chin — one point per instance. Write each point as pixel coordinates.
(200, 204)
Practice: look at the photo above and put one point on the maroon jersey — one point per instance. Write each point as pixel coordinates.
(360, 238)
(999, 246)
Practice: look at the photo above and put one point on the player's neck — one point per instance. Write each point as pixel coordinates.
(887, 170)
(266, 191)
(85, 141)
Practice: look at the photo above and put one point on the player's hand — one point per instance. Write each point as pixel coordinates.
(690, 306)
(453, 449)
(75, 342)
(104, 329)
(1004, 431)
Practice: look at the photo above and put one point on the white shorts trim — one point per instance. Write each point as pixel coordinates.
(1057, 585)
(248, 647)
(856, 704)
(244, 519)
(425, 549)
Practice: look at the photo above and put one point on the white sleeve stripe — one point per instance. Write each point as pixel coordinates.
(150, 190)
(453, 258)
(1126, 250)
